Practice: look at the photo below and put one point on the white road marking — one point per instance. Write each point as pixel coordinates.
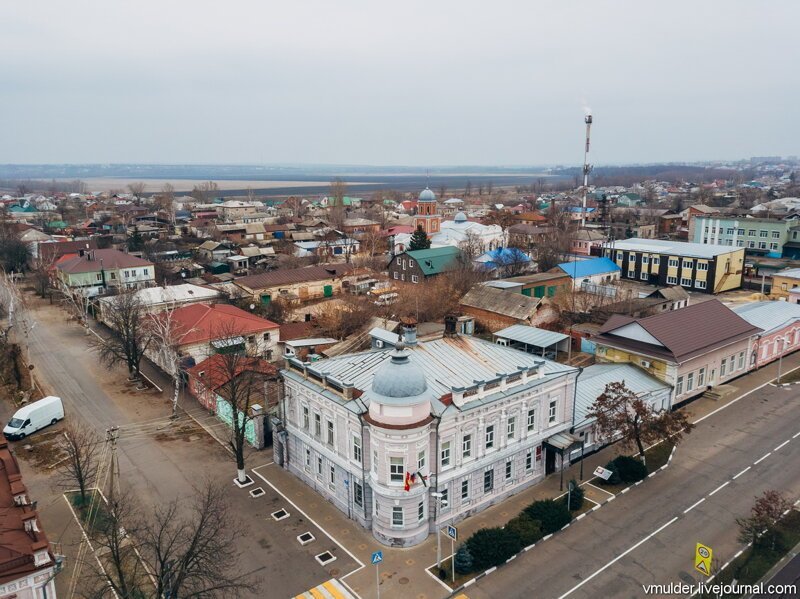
(762, 458)
(742, 472)
(694, 505)
(616, 559)
(719, 488)
(794, 436)
(782, 445)
(599, 489)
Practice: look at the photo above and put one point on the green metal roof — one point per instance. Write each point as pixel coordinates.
(435, 260)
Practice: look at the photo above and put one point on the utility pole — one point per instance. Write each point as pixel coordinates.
(780, 360)
(112, 434)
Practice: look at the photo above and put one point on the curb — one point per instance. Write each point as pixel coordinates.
(473, 580)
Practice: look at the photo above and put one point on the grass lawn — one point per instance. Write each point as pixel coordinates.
(753, 564)
(657, 456)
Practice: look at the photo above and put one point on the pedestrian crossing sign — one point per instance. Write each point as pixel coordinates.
(702, 559)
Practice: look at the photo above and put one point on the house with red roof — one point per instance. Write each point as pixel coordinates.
(207, 380)
(202, 330)
(27, 563)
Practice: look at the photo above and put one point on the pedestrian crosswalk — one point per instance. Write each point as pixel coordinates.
(332, 589)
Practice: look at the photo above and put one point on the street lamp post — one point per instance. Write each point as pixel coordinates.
(440, 503)
(780, 359)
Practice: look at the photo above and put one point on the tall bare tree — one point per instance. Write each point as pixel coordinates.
(79, 469)
(132, 333)
(137, 190)
(166, 335)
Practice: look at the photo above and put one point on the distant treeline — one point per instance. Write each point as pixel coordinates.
(628, 175)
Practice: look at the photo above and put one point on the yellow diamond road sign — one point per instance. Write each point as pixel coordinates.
(702, 559)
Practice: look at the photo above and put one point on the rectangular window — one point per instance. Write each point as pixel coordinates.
(357, 449)
(619, 255)
(531, 420)
(741, 231)
(751, 232)
(445, 453)
(529, 459)
(645, 259)
(673, 263)
(444, 500)
(679, 386)
(330, 432)
(656, 261)
(420, 511)
(317, 425)
(552, 413)
(741, 361)
(686, 282)
(308, 459)
(701, 377)
(145, 271)
(776, 235)
(488, 481)
(700, 284)
(375, 460)
(702, 266)
(397, 516)
(690, 381)
(762, 245)
(414, 279)
(773, 246)
(643, 275)
(631, 274)
(332, 479)
(688, 264)
(763, 233)
(490, 436)
(732, 362)
(466, 446)
(751, 244)
(511, 427)
(305, 417)
(396, 470)
(319, 467)
(723, 367)
(464, 490)
(358, 494)
(421, 460)
(729, 230)
(740, 243)
(509, 470)
(672, 280)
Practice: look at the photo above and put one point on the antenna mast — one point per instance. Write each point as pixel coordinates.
(587, 168)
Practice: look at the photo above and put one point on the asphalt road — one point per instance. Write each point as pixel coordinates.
(648, 535)
(157, 470)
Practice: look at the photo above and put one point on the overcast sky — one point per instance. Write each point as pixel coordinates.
(397, 83)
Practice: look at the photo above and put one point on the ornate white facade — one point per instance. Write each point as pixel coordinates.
(469, 417)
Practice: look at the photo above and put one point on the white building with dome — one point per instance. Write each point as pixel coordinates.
(449, 232)
(376, 432)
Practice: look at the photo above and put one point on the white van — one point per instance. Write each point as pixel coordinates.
(33, 417)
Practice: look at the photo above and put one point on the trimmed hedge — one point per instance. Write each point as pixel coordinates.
(551, 514)
(492, 546)
(528, 530)
(630, 469)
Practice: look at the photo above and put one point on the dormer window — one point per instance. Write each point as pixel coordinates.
(31, 526)
(20, 499)
(41, 557)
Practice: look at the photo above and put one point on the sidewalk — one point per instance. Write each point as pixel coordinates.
(402, 571)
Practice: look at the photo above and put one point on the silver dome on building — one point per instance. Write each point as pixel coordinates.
(460, 217)
(426, 195)
(399, 380)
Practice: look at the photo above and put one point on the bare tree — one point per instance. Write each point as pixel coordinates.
(137, 190)
(79, 468)
(620, 414)
(203, 192)
(240, 379)
(166, 335)
(472, 246)
(132, 333)
(76, 303)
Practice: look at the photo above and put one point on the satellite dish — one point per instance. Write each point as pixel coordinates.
(252, 306)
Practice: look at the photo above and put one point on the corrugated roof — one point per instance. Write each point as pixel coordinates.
(506, 303)
(684, 333)
(769, 316)
(435, 260)
(531, 335)
(593, 379)
(200, 322)
(587, 268)
(294, 275)
(675, 248)
(91, 261)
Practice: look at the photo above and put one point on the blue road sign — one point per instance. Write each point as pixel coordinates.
(452, 532)
(377, 557)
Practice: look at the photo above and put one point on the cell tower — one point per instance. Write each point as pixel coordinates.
(587, 168)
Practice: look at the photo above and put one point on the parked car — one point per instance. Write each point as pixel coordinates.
(34, 417)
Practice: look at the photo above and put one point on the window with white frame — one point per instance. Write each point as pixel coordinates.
(631, 274)
(776, 235)
(488, 481)
(673, 263)
(656, 260)
(690, 381)
(773, 246)
(420, 511)
(511, 427)
(552, 413)
(421, 460)
(723, 367)
(643, 275)
(700, 284)
(672, 280)
(645, 259)
(357, 448)
(763, 233)
(732, 362)
(762, 245)
(308, 459)
(679, 386)
(444, 500)
(529, 459)
(490, 436)
(686, 282)
(751, 232)
(751, 244)
(509, 469)
(741, 360)
(332, 477)
(317, 425)
(729, 230)
(619, 255)
(305, 417)
(358, 494)
(397, 470)
(701, 377)
(702, 266)
(445, 454)
(414, 279)
(330, 432)
(740, 243)
(374, 460)
(532, 419)
(741, 231)
(466, 446)
(397, 516)
(319, 467)
(464, 490)
(688, 264)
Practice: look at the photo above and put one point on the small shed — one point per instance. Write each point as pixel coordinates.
(533, 340)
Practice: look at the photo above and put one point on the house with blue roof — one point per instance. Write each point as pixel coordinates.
(504, 261)
(591, 271)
